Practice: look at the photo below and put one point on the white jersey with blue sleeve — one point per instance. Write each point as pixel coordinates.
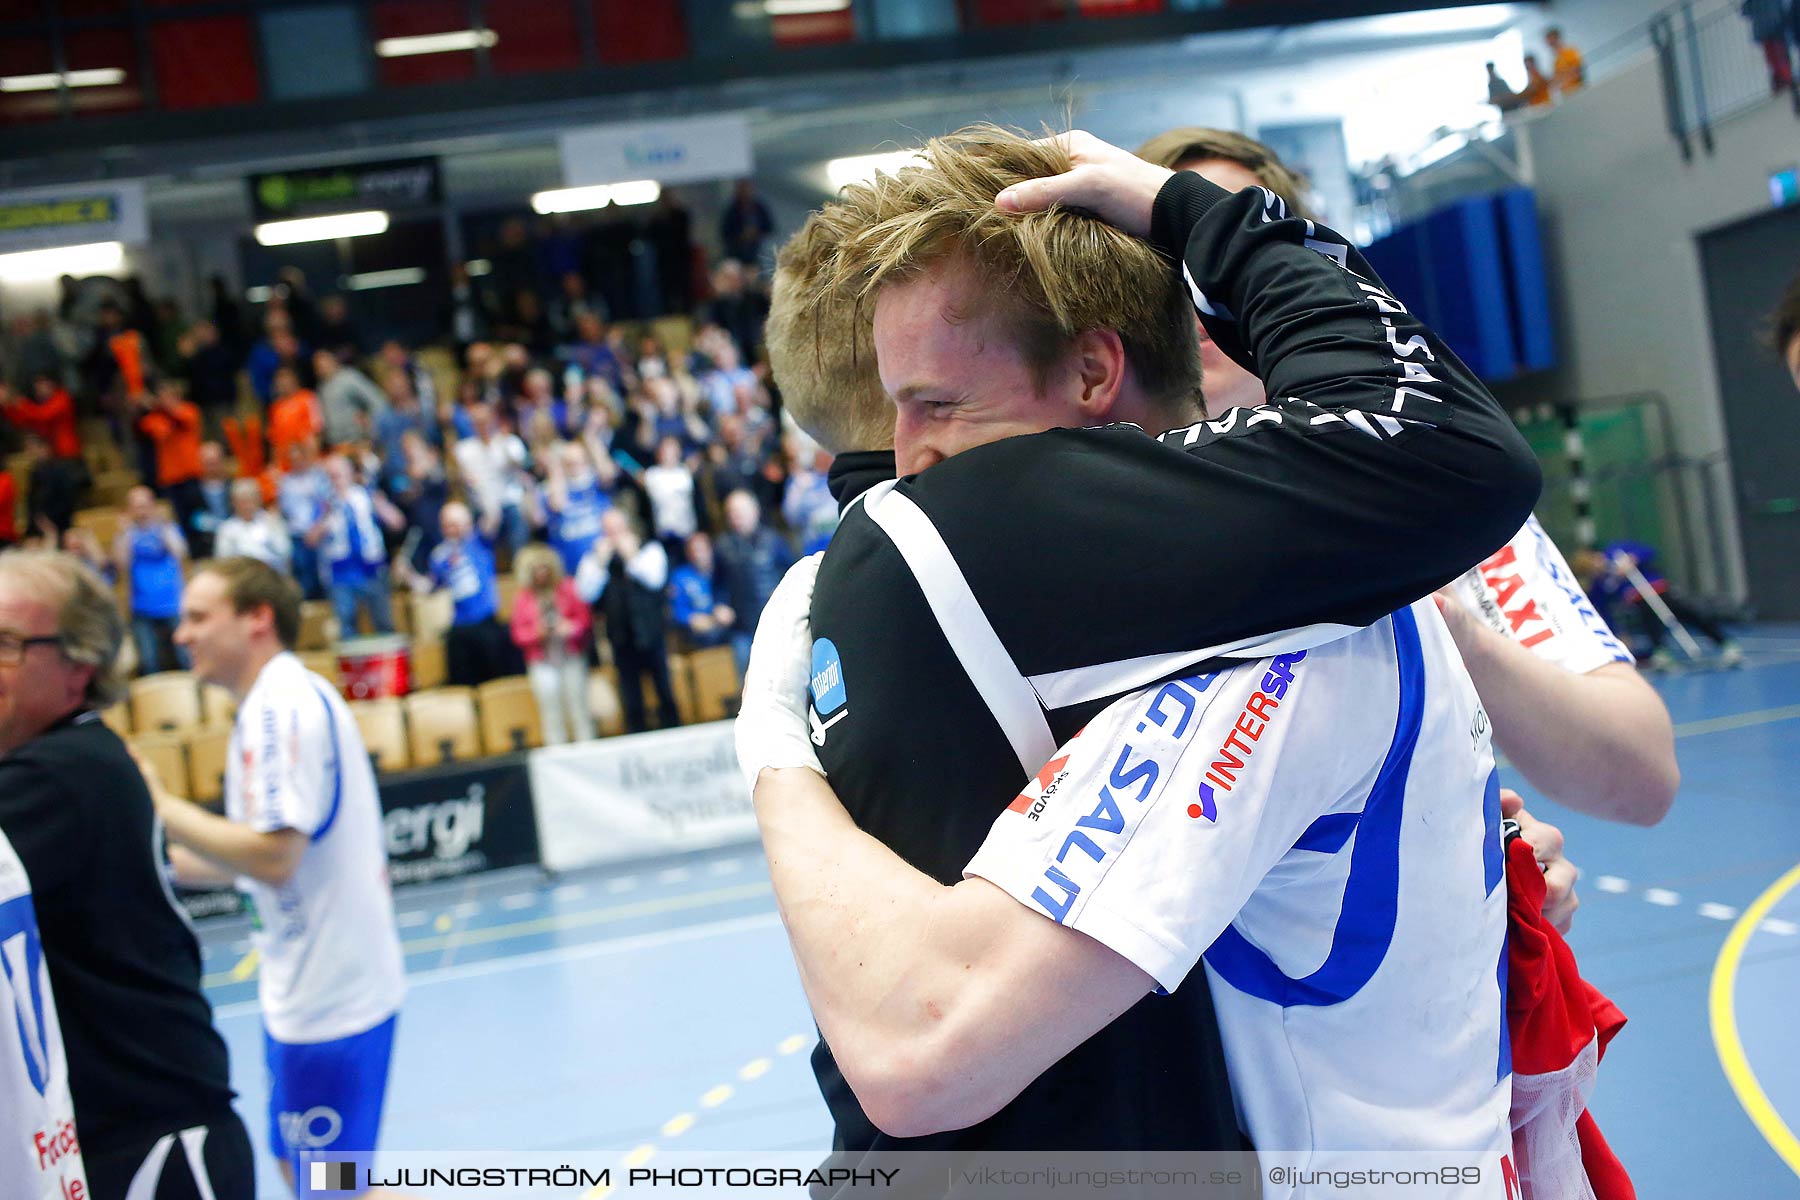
(331, 963)
(1323, 828)
(39, 1149)
(1526, 591)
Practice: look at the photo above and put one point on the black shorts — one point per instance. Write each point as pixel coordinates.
(213, 1160)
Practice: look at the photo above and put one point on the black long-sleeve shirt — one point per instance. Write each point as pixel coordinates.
(143, 1055)
(978, 613)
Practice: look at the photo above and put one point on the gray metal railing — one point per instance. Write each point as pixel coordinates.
(1710, 69)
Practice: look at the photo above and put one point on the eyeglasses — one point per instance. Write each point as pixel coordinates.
(13, 646)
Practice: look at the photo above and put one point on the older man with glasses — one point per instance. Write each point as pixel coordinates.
(146, 1070)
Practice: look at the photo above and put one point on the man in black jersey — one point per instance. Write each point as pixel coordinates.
(147, 1072)
(1094, 561)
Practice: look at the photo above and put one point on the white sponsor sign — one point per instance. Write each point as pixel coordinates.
(680, 150)
(639, 796)
(73, 215)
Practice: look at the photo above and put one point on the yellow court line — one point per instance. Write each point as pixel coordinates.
(552, 924)
(1723, 1005)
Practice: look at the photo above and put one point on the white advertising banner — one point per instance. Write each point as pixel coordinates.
(73, 215)
(639, 796)
(679, 150)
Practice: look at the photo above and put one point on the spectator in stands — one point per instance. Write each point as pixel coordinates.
(349, 400)
(752, 560)
(476, 648)
(1500, 93)
(593, 352)
(172, 423)
(215, 500)
(404, 414)
(1770, 29)
(36, 351)
(572, 300)
(54, 490)
(1568, 74)
(294, 417)
(347, 535)
(674, 500)
(207, 365)
(396, 357)
(624, 576)
(700, 612)
(513, 268)
(278, 348)
(739, 310)
(725, 374)
(337, 333)
(808, 507)
(421, 495)
(49, 413)
(251, 531)
(465, 311)
(574, 495)
(493, 465)
(148, 554)
(303, 494)
(1537, 93)
(550, 626)
(746, 224)
(538, 398)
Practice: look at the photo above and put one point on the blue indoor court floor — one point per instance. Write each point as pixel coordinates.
(654, 1007)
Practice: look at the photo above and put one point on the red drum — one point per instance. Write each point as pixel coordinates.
(375, 666)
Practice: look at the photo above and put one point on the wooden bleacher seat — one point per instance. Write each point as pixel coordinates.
(322, 662)
(442, 726)
(603, 701)
(429, 665)
(383, 725)
(167, 752)
(510, 721)
(110, 486)
(716, 686)
(103, 522)
(681, 681)
(165, 701)
(217, 706)
(318, 627)
(430, 615)
(207, 751)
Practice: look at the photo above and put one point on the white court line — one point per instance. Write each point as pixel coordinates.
(465, 910)
(725, 866)
(570, 891)
(537, 958)
(411, 920)
(623, 884)
(1776, 925)
(1717, 912)
(674, 875)
(517, 900)
(1612, 884)
(1662, 897)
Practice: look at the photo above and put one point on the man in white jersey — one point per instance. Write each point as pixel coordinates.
(39, 1151)
(1340, 814)
(302, 837)
(1570, 711)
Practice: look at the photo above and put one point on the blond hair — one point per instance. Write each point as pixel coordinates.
(1050, 275)
(1175, 146)
(820, 349)
(529, 559)
(88, 621)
